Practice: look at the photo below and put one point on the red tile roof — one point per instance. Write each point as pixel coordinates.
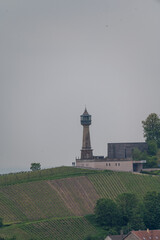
(148, 234)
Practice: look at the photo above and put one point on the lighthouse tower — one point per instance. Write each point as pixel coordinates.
(86, 151)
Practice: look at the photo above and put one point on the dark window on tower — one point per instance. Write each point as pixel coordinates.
(125, 153)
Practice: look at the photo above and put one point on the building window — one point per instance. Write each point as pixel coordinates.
(106, 164)
(115, 164)
(118, 164)
(109, 164)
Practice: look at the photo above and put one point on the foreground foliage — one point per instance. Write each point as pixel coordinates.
(127, 212)
(152, 210)
(107, 213)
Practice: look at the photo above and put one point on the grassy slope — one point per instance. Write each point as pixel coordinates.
(45, 174)
(58, 206)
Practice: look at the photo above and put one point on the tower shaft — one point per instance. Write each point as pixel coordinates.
(86, 151)
(86, 143)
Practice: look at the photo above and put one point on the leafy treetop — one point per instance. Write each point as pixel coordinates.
(35, 166)
(151, 128)
(127, 212)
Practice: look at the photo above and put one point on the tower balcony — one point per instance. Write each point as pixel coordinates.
(86, 120)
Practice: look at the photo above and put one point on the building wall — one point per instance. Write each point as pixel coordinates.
(108, 238)
(138, 167)
(124, 150)
(126, 166)
(131, 236)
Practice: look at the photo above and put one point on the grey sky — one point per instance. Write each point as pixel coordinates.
(58, 55)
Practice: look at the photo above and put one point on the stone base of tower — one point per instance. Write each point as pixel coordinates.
(86, 154)
(114, 164)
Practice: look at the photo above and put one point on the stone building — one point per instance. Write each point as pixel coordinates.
(115, 237)
(124, 150)
(119, 154)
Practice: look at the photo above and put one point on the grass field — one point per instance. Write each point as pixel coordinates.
(60, 203)
(45, 174)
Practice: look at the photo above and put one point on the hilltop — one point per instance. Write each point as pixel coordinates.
(53, 203)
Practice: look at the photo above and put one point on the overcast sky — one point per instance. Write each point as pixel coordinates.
(56, 56)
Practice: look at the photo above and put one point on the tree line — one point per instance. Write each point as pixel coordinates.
(151, 131)
(127, 212)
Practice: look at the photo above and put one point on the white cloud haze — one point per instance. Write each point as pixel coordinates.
(58, 55)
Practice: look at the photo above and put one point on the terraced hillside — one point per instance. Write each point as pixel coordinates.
(57, 229)
(78, 194)
(111, 184)
(57, 207)
(31, 201)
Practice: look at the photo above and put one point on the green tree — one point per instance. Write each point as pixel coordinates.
(138, 155)
(35, 166)
(151, 162)
(152, 148)
(127, 203)
(136, 220)
(152, 210)
(151, 127)
(106, 212)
